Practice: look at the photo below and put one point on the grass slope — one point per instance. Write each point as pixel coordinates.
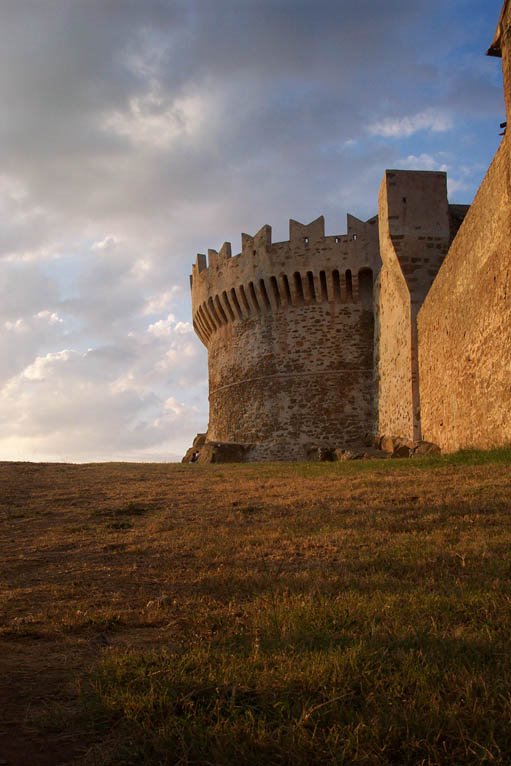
(278, 614)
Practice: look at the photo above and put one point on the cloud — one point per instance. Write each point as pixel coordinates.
(404, 127)
(165, 327)
(422, 161)
(98, 403)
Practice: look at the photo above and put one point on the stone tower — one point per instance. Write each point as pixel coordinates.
(289, 332)
(417, 226)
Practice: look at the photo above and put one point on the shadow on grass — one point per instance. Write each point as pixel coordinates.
(399, 700)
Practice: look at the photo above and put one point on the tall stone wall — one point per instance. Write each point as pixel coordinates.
(465, 326)
(465, 323)
(415, 231)
(289, 332)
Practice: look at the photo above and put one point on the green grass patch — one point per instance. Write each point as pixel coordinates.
(306, 680)
(399, 654)
(500, 456)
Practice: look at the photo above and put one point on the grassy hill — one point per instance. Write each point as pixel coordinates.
(355, 613)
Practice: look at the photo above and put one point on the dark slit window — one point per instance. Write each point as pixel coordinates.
(253, 295)
(299, 288)
(266, 300)
(213, 313)
(236, 303)
(324, 289)
(310, 282)
(337, 285)
(202, 314)
(365, 288)
(228, 305)
(275, 290)
(287, 289)
(221, 312)
(349, 286)
(245, 299)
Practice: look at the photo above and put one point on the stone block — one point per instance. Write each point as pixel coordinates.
(360, 453)
(223, 452)
(191, 455)
(387, 444)
(200, 441)
(402, 451)
(349, 454)
(371, 453)
(426, 448)
(315, 453)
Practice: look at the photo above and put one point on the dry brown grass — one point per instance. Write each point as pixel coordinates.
(97, 561)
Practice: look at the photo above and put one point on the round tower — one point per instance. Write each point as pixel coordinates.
(289, 332)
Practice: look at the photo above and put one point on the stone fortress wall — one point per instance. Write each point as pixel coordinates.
(289, 332)
(465, 327)
(465, 322)
(417, 226)
(401, 327)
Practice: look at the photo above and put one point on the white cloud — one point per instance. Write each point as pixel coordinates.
(44, 366)
(107, 243)
(403, 127)
(169, 326)
(421, 162)
(162, 301)
(85, 410)
(162, 327)
(18, 325)
(152, 122)
(49, 316)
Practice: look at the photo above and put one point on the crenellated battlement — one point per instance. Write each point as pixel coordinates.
(267, 276)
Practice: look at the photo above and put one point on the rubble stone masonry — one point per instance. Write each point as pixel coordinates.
(289, 332)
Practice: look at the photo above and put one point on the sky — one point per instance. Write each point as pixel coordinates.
(137, 133)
